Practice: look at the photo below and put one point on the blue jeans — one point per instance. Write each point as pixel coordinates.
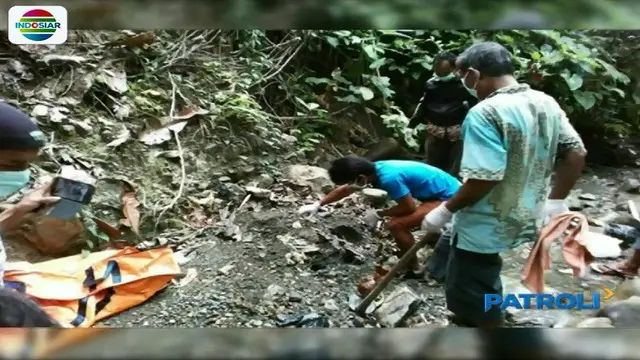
(437, 264)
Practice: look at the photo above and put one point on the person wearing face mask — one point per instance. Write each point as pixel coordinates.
(20, 144)
(511, 141)
(403, 180)
(442, 109)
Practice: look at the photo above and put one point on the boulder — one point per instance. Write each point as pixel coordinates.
(314, 177)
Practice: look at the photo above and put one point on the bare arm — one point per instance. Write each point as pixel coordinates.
(405, 206)
(570, 168)
(470, 193)
(337, 194)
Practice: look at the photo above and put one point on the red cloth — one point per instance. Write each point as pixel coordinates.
(570, 228)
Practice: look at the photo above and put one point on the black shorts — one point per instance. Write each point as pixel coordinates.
(469, 277)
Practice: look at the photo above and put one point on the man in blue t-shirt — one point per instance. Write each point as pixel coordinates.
(404, 181)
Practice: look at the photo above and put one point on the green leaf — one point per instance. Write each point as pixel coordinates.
(614, 73)
(370, 51)
(366, 93)
(377, 64)
(333, 41)
(585, 99)
(349, 99)
(574, 81)
(316, 81)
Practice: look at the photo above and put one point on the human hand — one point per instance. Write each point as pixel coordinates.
(553, 208)
(371, 218)
(436, 219)
(36, 199)
(309, 210)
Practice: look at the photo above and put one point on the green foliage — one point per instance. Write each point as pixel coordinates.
(569, 65)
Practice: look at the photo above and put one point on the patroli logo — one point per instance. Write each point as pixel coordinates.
(46, 25)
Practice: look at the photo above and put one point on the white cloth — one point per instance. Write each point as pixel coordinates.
(436, 219)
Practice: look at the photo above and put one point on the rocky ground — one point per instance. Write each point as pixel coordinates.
(280, 265)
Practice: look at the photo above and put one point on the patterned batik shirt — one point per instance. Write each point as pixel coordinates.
(512, 137)
(3, 259)
(451, 133)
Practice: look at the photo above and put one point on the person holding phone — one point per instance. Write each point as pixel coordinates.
(20, 144)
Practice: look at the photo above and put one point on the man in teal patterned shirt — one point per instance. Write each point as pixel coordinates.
(511, 139)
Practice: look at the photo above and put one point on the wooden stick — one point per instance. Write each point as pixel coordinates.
(362, 308)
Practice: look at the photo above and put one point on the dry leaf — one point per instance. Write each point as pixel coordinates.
(130, 210)
(160, 136)
(105, 227)
(116, 80)
(123, 136)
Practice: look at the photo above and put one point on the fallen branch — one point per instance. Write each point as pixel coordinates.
(183, 171)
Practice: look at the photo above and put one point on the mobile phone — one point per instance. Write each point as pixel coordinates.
(73, 196)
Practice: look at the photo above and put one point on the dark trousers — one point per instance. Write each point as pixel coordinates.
(469, 277)
(443, 154)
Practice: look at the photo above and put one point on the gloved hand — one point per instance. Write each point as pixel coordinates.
(436, 219)
(553, 208)
(371, 218)
(309, 210)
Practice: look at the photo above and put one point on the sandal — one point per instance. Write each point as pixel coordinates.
(612, 270)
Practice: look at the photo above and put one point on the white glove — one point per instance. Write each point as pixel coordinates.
(553, 208)
(309, 210)
(371, 218)
(436, 219)
(408, 132)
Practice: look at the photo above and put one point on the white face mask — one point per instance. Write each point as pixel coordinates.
(471, 90)
(12, 181)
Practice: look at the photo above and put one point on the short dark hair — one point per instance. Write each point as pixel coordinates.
(16, 310)
(445, 56)
(489, 58)
(347, 169)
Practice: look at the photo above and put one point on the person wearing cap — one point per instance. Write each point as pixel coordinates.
(20, 144)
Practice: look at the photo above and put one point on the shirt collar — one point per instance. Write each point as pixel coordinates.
(513, 89)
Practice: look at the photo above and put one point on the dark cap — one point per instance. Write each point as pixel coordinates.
(17, 130)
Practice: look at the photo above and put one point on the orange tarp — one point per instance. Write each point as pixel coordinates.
(78, 291)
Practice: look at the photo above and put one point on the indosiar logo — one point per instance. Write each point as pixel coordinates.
(46, 25)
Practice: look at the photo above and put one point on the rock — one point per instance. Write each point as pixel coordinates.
(347, 231)
(314, 177)
(273, 291)
(624, 314)
(539, 318)
(258, 192)
(631, 186)
(628, 289)
(264, 181)
(598, 322)
(231, 191)
(225, 270)
(374, 197)
(574, 204)
(397, 307)
(331, 305)
(588, 197)
(295, 297)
